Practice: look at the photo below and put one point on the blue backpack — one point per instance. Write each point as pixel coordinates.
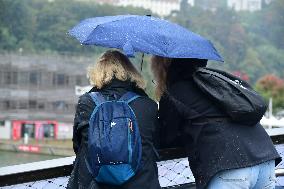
(114, 141)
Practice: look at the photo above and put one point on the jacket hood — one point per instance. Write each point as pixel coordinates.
(117, 88)
(183, 68)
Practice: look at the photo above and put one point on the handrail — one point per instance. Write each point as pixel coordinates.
(27, 174)
(60, 167)
(279, 172)
(23, 173)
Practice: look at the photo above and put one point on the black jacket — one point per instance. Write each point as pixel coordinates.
(213, 142)
(145, 110)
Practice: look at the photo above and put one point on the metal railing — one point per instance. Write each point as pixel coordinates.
(174, 172)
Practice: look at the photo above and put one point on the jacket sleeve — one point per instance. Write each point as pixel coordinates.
(83, 113)
(169, 124)
(76, 136)
(175, 114)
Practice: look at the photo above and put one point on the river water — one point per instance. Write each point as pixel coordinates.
(13, 158)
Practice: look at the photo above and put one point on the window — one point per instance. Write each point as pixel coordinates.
(23, 78)
(54, 79)
(34, 78)
(15, 78)
(78, 80)
(32, 104)
(1, 80)
(59, 105)
(48, 130)
(13, 105)
(2, 123)
(28, 129)
(41, 105)
(7, 78)
(66, 80)
(6, 105)
(60, 79)
(23, 105)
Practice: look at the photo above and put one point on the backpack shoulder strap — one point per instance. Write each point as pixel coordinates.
(97, 98)
(227, 77)
(129, 97)
(204, 70)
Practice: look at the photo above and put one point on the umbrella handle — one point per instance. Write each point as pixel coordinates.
(142, 61)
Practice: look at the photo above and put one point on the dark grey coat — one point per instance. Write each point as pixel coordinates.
(145, 110)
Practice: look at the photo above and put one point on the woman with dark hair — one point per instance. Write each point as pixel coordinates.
(222, 154)
(113, 76)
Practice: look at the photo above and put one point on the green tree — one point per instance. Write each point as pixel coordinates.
(251, 42)
(272, 59)
(252, 65)
(17, 18)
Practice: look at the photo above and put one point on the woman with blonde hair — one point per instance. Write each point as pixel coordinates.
(222, 154)
(113, 76)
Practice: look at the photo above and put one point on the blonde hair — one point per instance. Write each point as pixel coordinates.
(159, 67)
(113, 64)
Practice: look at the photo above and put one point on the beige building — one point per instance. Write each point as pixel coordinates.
(245, 5)
(159, 7)
(165, 7)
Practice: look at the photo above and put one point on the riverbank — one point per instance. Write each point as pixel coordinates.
(50, 147)
(8, 158)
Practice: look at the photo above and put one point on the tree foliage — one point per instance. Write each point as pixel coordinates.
(250, 42)
(42, 25)
(271, 86)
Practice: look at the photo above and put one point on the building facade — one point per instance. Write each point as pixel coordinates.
(165, 7)
(245, 5)
(39, 87)
(159, 7)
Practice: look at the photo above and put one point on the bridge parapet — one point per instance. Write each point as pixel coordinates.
(174, 172)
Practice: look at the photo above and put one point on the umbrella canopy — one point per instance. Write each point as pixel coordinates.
(147, 34)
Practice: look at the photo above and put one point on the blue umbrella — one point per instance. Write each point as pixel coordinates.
(146, 34)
